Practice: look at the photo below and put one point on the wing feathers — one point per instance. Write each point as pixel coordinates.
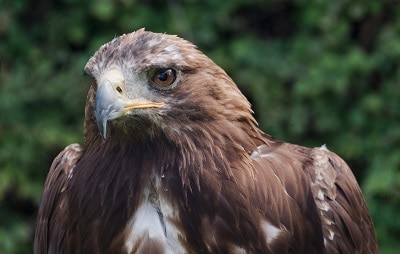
(50, 229)
(347, 225)
(308, 190)
(287, 201)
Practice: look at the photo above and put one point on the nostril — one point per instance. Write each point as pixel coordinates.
(119, 89)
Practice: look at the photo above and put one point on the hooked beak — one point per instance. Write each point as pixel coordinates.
(110, 104)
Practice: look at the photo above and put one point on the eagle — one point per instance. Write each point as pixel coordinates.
(173, 162)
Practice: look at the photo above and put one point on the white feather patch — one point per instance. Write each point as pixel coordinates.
(172, 233)
(324, 147)
(153, 222)
(271, 231)
(145, 223)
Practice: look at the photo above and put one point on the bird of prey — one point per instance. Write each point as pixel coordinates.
(173, 162)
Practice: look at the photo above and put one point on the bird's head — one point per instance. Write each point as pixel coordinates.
(161, 79)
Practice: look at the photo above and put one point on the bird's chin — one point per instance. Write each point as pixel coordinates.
(142, 117)
(137, 124)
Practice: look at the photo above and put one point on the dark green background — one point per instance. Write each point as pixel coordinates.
(316, 72)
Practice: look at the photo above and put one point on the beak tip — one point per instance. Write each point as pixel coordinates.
(102, 126)
(104, 136)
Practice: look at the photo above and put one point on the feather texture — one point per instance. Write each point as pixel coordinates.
(193, 176)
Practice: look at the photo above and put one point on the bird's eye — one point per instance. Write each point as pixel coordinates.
(164, 77)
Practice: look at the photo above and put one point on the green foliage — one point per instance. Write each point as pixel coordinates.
(316, 72)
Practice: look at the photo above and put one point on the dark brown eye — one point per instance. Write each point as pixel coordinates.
(164, 77)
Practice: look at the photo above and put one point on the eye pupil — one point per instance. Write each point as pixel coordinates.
(164, 77)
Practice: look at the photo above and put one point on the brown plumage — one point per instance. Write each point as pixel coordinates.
(173, 162)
